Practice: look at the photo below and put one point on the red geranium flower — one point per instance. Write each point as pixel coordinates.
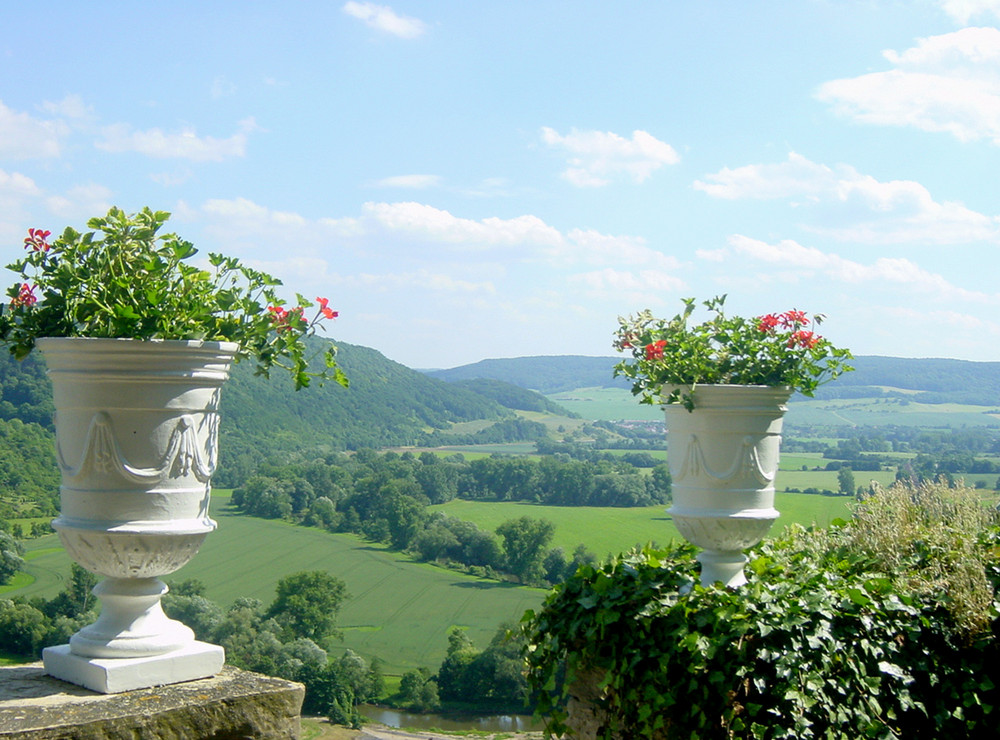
(654, 351)
(803, 338)
(36, 240)
(767, 323)
(25, 297)
(793, 319)
(325, 309)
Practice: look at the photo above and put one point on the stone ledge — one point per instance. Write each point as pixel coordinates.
(234, 705)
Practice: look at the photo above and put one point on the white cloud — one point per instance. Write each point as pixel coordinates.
(948, 83)
(793, 178)
(14, 184)
(855, 207)
(789, 254)
(242, 227)
(426, 280)
(383, 18)
(25, 137)
(184, 145)
(638, 287)
(222, 87)
(433, 224)
(595, 248)
(416, 182)
(71, 107)
(81, 203)
(172, 179)
(965, 10)
(597, 156)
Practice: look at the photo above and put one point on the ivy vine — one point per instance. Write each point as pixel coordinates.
(823, 642)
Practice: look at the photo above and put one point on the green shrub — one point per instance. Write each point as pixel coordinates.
(882, 627)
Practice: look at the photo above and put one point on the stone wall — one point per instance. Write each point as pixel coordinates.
(235, 705)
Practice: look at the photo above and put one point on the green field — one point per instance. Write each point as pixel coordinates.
(398, 610)
(607, 530)
(613, 404)
(606, 404)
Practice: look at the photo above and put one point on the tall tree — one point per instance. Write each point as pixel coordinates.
(306, 604)
(524, 543)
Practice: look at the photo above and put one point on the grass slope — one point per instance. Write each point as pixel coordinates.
(613, 530)
(398, 610)
(613, 404)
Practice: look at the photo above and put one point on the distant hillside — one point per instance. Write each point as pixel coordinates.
(926, 380)
(546, 374)
(936, 380)
(512, 396)
(387, 405)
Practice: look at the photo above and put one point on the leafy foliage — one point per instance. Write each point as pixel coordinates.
(669, 358)
(28, 474)
(124, 279)
(10, 557)
(825, 641)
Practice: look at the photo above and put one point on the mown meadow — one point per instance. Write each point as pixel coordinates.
(398, 609)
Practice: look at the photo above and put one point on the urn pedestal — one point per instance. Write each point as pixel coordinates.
(136, 443)
(723, 457)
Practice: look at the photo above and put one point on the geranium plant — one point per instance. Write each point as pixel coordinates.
(670, 358)
(124, 279)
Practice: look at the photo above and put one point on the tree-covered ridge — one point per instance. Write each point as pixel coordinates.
(386, 405)
(545, 374)
(512, 396)
(933, 380)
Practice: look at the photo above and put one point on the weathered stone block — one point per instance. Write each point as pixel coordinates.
(234, 705)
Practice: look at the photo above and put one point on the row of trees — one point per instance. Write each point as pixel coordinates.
(288, 638)
(385, 497)
(492, 679)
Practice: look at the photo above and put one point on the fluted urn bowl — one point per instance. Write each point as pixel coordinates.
(136, 443)
(723, 458)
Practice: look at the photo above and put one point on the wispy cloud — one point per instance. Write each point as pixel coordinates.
(80, 202)
(433, 224)
(14, 184)
(383, 18)
(963, 11)
(597, 156)
(185, 144)
(948, 83)
(23, 136)
(851, 206)
(424, 279)
(71, 107)
(810, 261)
(222, 87)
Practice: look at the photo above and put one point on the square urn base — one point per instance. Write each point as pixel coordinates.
(115, 675)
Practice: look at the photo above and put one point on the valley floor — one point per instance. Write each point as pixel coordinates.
(315, 728)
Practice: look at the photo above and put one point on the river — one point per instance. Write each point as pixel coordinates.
(489, 723)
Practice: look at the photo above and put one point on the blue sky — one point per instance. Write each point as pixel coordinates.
(468, 180)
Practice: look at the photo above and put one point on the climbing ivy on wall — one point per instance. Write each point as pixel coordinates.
(882, 627)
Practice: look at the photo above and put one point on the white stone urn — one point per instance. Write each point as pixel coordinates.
(723, 457)
(136, 442)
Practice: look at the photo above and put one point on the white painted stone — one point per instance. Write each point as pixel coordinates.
(136, 443)
(115, 675)
(723, 458)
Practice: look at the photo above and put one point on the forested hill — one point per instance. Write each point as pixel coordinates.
(924, 379)
(545, 374)
(387, 404)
